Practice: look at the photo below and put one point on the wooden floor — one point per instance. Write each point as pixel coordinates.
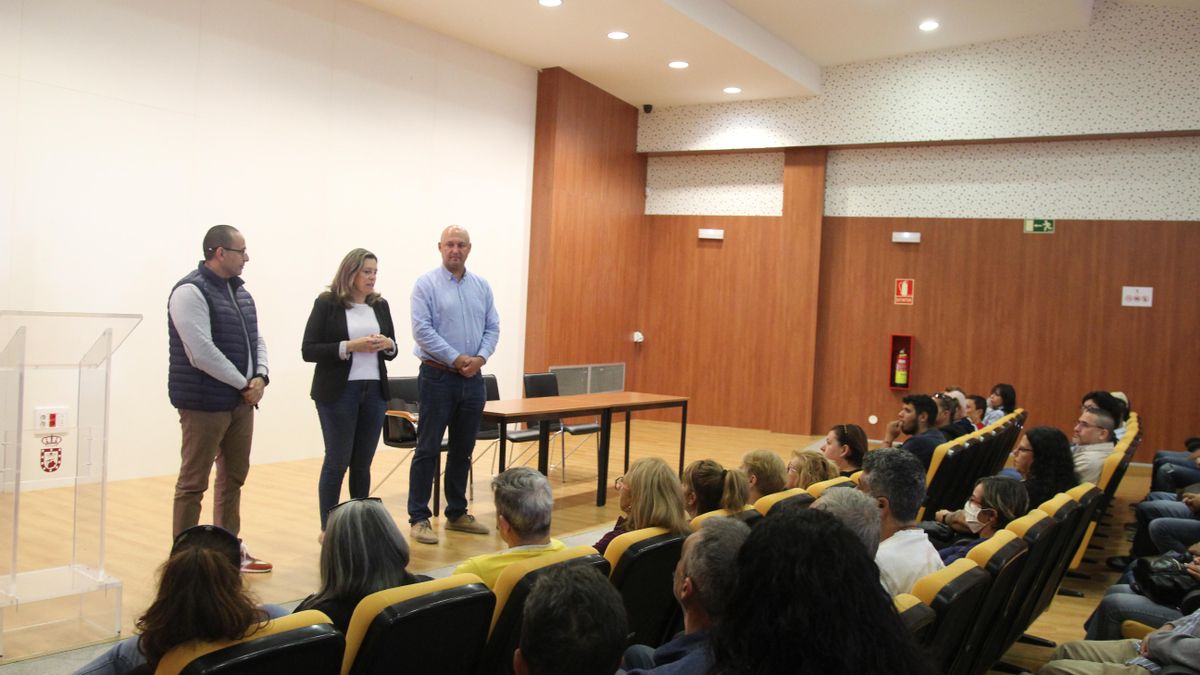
(280, 524)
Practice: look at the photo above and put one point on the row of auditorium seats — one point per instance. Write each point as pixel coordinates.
(478, 628)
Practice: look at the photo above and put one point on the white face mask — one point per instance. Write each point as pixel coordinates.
(971, 512)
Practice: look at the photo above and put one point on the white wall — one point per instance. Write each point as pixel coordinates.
(128, 127)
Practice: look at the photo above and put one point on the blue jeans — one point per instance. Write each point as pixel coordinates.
(1120, 603)
(351, 426)
(448, 401)
(1173, 470)
(1163, 520)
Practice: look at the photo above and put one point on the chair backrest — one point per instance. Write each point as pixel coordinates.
(1038, 531)
(302, 642)
(387, 624)
(1003, 557)
(917, 617)
(722, 513)
(643, 570)
(749, 516)
(540, 385)
(489, 428)
(794, 495)
(816, 489)
(955, 593)
(512, 588)
(397, 431)
(1090, 499)
(1066, 511)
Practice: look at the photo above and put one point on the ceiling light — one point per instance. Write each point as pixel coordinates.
(678, 65)
(618, 35)
(732, 90)
(549, 3)
(928, 25)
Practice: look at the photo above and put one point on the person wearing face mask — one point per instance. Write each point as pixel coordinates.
(994, 504)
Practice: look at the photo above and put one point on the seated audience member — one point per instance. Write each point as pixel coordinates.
(807, 467)
(703, 581)
(1122, 602)
(707, 486)
(1164, 523)
(895, 479)
(1001, 402)
(845, 445)
(813, 610)
(524, 504)
(1106, 402)
(574, 622)
(765, 473)
(1092, 443)
(363, 552)
(994, 503)
(915, 419)
(1176, 469)
(975, 408)
(856, 511)
(650, 496)
(949, 421)
(1043, 460)
(200, 597)
(1175, 644)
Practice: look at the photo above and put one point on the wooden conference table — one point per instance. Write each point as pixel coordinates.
(546, 410)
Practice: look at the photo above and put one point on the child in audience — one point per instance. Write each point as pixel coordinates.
(200, 597)
(708, 486)
(1001, 402)
(809, 466)
(650, 496)
(363, 552)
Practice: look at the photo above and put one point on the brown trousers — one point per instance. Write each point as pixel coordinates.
(213, 437)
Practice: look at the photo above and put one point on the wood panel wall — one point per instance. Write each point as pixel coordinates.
(992, 304)
(586, 230)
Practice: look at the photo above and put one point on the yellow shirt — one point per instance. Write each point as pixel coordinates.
(489, 565)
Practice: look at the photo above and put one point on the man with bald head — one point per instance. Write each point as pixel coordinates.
(456, 327)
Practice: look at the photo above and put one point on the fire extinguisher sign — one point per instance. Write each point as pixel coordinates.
(904, 292)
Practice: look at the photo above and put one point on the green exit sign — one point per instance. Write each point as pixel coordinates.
(1039, 226)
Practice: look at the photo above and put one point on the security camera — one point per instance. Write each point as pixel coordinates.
(647, 108)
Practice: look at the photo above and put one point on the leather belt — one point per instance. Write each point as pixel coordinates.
(439, 365)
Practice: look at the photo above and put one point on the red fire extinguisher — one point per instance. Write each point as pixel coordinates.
(901, 375)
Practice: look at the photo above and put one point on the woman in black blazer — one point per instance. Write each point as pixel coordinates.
(349, 336)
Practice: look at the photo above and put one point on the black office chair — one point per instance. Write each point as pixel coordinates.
(539, 385)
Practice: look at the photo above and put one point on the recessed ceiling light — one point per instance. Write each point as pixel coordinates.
(678, 65)
(732, 90)
(618, 35)
(928, 25)
(549, 3)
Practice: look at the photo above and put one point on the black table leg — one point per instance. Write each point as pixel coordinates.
(602, 456)
(627, 426)
(682, 435)
(503, 441)
(544, 447)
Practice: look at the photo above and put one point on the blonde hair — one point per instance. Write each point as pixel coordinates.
(716, 487)
(768, 468)
(656, 497)
(813, 467)
(343, 281)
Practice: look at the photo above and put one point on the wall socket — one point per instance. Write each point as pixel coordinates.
(50, 418)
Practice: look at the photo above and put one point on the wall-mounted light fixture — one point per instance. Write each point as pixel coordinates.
(708, 233)
(906, 237)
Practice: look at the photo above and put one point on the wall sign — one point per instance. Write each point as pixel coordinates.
(1137, 296)
(1039, 226)
(904, 292)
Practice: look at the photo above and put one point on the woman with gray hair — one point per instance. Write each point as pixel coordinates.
(363, 552)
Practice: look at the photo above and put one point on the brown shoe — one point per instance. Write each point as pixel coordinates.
(423, 532)
(467, 523)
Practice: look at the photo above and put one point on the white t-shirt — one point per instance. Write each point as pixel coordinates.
(905, 557)
(360, 322)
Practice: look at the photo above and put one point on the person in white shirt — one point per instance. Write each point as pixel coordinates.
(1092, 443)
(896, 480)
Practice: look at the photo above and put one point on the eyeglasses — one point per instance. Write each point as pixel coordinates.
(350, 501)
(239, 251)
(1088, 425)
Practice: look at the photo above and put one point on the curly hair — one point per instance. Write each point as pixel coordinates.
(1053, 470)
(824, 594)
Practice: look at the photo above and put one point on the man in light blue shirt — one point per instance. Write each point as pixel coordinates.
(456, 327)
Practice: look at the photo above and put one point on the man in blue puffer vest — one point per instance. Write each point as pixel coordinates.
(218, 372)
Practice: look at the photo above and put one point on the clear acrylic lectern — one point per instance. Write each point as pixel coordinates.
(54, 383)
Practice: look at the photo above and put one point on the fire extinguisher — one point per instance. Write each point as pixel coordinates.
(901, 375)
